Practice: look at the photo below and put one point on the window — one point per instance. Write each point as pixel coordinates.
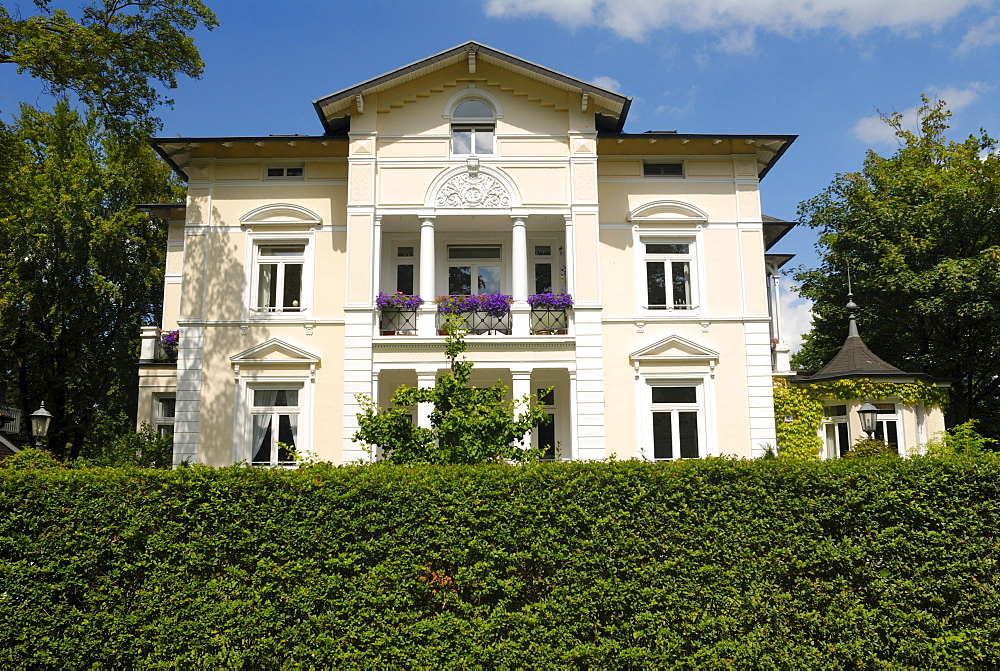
(278, 282)
(473, 269)
(543, 261)
(278, 172)
(887, 426)
(473, 127)
(668, 276)
(676, 421)
(404, 270)
(836, 436)
(274, 416)
(547, 432)
(164, 409)
(668, 169)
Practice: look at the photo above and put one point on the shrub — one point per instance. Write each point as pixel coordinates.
(961, 439)
(769, 564)
(30, 459)
(868, 448)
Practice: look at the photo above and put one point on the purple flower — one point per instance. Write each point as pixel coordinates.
(550, 301)
(168, 341)
(495, 305)
(398, 301)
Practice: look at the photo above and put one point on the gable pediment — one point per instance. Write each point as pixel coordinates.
(675, 348)
(274, 350)
(660, 211)
(281, 214)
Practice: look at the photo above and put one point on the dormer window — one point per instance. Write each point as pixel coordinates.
(473, 127)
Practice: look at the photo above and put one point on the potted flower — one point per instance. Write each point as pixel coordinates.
(168, 342)
(495, 306)
(397, 312)
(549, 312)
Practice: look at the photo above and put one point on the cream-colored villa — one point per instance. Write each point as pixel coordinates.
(469, 172)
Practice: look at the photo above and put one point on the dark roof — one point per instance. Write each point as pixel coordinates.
(337, 104)
(769, 147)
(775, 229)
(855, 360)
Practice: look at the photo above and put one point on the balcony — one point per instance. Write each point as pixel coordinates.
(395, 321)
(482, 314)
(549, 321)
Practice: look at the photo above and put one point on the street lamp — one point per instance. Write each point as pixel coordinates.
(869, 417)
(40, 424)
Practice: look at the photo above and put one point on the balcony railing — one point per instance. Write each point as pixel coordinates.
(397, 322)
(12, 425)
(549, 322)
(480, 323)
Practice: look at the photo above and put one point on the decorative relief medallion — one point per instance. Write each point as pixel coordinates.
(470, 190)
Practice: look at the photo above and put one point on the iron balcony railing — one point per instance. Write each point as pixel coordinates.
(480, 323)
(549, 322)
(397, 322)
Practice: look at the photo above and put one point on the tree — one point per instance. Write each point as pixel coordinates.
(80, 268)
(111, 55)
(920, 232)
(469, 425)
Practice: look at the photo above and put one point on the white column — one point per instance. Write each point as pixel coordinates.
(427, 315)
(520, 384)
(519, 272)
(375, 453)
(377, 255)
(574, 431)
(425, 380)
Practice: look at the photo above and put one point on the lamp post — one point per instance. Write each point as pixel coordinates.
(40, 424)
(869, 417)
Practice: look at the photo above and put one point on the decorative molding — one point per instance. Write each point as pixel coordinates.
(271, 352)
(675, 348)
(666, 211)
(471, 190)
(281, 214)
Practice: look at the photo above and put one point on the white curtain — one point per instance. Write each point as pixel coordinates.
(261, 423)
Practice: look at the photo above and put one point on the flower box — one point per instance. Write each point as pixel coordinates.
(550, 301)
(398, 301)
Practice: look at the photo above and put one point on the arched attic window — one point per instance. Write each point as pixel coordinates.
(473, 128)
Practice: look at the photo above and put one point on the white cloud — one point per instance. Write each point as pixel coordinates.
(636, 19)
(873, 131)
(606, 83)
(984, 34)
(796, 317)
(681, 105)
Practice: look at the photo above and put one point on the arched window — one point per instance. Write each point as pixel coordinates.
(473, 127)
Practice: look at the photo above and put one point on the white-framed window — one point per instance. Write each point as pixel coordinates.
(278, 285)
(473, 128)
(887, 426)
(164, 412)
(405, 265)
(675, 422)
(292, 172)
(669, 274)
(545, 434)
(663, 169)
(474, 269)
(836, 431)
(275, 424)
(547, 267)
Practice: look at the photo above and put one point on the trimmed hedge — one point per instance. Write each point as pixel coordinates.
(704, 563)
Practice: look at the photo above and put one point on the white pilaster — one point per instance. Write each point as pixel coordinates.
(570, 256)
(425, 380)
(760, 386)
(589, 385)
(520, 385)
(187, 416)
(358, 329)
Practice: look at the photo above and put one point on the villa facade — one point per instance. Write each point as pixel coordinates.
(469, 172)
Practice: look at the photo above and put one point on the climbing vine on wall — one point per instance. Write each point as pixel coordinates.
(803, 405)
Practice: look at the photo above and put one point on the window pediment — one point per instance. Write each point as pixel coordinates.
(660, 211)
(273, 351)
(281, 214)
(675, 348)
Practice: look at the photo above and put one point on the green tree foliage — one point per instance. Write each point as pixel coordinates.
(469, 425)
(961, 439)
(112, 54)
(80, 268)
(920, 231)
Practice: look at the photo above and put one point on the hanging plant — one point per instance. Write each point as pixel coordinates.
(550, 301)
(398, 301)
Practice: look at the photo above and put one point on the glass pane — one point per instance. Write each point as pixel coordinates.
(843, 442)
(287, 397)
(489, 280)
(546, 398)
(674, 169)
(293, 286)
(404, 278)
(165, 430)
(293, 172)
(543, 250)
(656, 293)
(687, 424)
(663, 441)
(405, 252)
(167, 406)
(461, 141)
(547, 438)
(675, 395)
(266, 286)
(831, 441)
(491, 252)
(681, 276)
(885, 408)
(891, 436)
(663, 248)
(473, 109)
(275, 172)
(286, 435)
(543, 278)
(484, 140)
(263, 453)
(460, 280)
(282, 250)
(835, 410)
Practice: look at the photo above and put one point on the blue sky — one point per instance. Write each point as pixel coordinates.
(820, 69)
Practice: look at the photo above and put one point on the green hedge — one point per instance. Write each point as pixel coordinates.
(714, 563)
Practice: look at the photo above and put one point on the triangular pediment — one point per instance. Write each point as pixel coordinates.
(274, 351)
(281, 214)
(674, 348)
(668, 211)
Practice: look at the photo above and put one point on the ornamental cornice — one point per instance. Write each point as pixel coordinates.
(468, 190)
